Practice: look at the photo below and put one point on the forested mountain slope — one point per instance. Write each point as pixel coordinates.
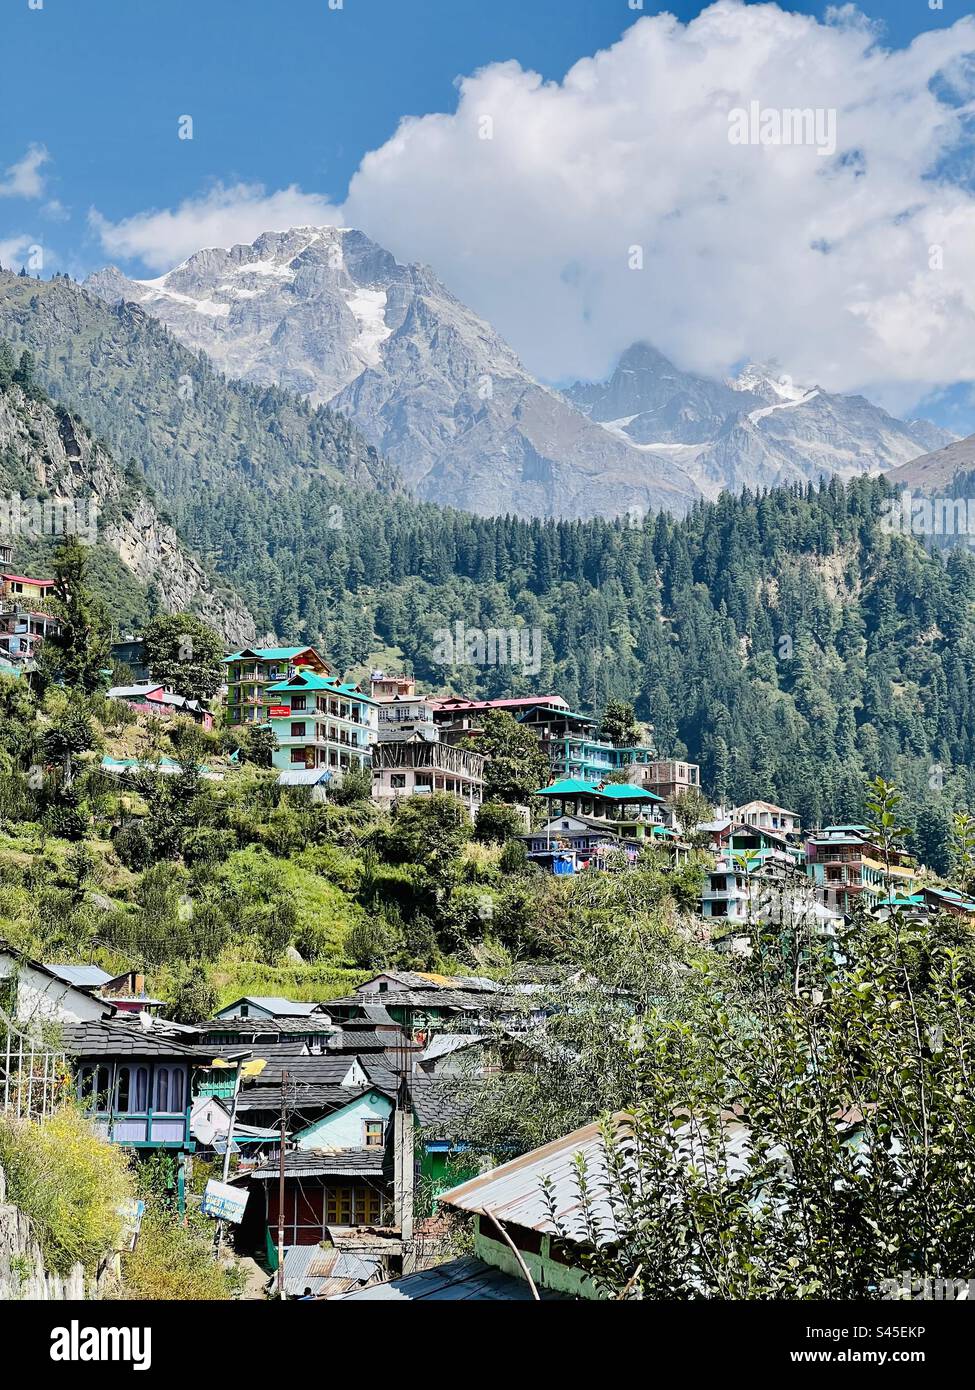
(54, 475)
(786, 640)
(188, 428)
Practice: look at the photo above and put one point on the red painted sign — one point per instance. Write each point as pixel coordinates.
(279, 711)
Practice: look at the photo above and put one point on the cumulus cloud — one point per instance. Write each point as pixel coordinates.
(24, 179)
(224, 216)
(853, 268)
(748, 251)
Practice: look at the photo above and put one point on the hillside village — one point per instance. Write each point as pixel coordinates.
(449, 861)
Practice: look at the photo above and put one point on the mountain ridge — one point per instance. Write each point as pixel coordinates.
(429, 382)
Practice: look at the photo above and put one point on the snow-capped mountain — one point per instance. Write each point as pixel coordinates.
(325, 311)
(758, 430)
(328, 312)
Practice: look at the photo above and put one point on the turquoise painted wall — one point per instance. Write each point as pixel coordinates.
(343, 1129)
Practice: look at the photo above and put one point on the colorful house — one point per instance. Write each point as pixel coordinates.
(630, 811)
(569, 740)
(320, 723)
(136, 1084)
(22, 588)
(153, 698)
(251, 671)
(846, 863)
(23, 627)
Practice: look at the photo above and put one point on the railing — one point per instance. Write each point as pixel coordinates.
(33, 1077)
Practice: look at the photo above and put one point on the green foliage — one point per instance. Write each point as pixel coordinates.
(191, 994)
(514, 857)
(620, 724)
(172, 1261)
(77, 653)
(845, 1162)
(185, 654)
(516, 765)
(883, 817)
(495, 823)
(69, 1183)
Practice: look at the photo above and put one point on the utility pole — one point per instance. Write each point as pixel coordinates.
(284, 1120)
(403, 1156)
(230, 1140)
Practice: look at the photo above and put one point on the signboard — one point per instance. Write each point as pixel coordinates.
(224, 1201)
(131, 1213)
(279, 711)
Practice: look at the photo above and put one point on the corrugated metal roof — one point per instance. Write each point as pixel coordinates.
(84, 976)
(273, 1003)
(445, 1043)
(311, 1267)
(514, 1192)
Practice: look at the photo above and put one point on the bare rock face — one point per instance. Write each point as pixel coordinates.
(759, 430)
(431, 385)
(46, 452)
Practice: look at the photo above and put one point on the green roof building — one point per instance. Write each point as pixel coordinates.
(251, 671)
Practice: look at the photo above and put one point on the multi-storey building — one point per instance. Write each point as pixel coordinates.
(767, 816)
(418, 764)
(20, 588)
(250, 672)
(587, 825)
(386, 687)
(846, 863)
(569, 740)
(669, 778)
(320, 723)
(23, 625)
(774, 892)
(405, 715)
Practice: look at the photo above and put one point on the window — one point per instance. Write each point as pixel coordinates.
(297, 702)
(298, 730)
(298, 756)
(132, 1090)
(397, 780)
(373, 1132)
(93, 1086)
(170, 1089)
(353, 1206)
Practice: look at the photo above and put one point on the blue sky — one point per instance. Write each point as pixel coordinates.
(293, 93)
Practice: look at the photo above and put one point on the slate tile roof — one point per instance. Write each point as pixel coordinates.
(307, 1163)
(454, 1281)
(115, 1037)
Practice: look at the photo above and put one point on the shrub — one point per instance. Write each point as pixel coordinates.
(495, 823)
(514, 857)
(172, 1261)
(69, 1183)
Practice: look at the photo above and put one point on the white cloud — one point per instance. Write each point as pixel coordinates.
(13, 251)
(24, 179)
(534, 226)
(224, 216)
(823, 264)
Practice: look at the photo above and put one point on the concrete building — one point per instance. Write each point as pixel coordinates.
(416, 764)
(252, 670)
(767, 816)
(320, 723)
